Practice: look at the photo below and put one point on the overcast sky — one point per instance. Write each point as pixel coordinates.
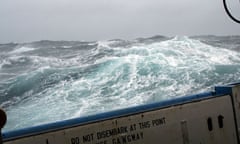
(31, 20)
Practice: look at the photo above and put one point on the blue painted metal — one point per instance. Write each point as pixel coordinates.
(223, 90)
(219, 91)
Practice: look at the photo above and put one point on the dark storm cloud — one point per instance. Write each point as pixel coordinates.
(28, 20)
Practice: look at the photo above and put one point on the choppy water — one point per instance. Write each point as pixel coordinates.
(47, 81)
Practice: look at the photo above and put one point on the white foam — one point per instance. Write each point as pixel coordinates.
(128, 77)
(4, 62)
(21, 50)
(104, 44)
(66, 47)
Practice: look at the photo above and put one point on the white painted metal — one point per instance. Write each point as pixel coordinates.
(209, 121)
(236, 102)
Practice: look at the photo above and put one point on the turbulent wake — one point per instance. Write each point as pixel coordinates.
(48, 81)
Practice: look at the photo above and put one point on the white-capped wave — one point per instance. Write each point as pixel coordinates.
(21, 50)
(121, 77)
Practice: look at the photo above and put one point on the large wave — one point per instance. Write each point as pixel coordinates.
(48, 81)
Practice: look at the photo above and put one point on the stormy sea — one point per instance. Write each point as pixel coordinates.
(48, 81)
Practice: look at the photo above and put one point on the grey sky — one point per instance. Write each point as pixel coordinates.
(31, 20)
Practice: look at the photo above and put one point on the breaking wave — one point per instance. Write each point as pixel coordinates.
(49, 81)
